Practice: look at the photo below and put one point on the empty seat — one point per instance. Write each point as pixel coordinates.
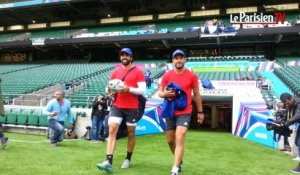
(12, 117)
(43, 120)
(22, 119)
(2, 118)
(33, 120)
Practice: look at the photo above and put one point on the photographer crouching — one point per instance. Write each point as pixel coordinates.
(292, 106)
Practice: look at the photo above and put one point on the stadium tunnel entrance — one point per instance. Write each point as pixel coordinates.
(217, 112)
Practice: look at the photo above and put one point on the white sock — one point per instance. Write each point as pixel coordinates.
(175, 169)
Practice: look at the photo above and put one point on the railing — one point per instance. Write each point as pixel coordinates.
(40, 100)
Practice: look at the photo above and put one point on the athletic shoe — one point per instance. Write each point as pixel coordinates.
(106, 166)
(175, 170)
(296, 158)
(179, 170)
(126, 164)
(296, 170)
(4, 142)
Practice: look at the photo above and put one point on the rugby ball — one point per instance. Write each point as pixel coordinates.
(115, 84)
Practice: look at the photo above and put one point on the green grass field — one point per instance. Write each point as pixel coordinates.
(207, 153)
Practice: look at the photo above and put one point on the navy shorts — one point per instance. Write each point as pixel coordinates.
(180, 120)
(131, 116)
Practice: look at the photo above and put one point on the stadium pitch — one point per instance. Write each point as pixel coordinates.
(208, 153)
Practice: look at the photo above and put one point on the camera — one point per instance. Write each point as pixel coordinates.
(279, 131)
(279, 112)
(277, 125)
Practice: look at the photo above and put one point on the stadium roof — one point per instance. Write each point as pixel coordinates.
(96, 9)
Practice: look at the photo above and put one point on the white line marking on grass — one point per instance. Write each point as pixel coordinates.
(37, 142)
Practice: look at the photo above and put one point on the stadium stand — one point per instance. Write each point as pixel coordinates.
(290, 76)
(233, 75)
(278, 85)
(288, 61)
(217, 50)
(13, 68)
(32, 78)
(229, 58)
(141, 29)
(41, 77)
(96, 85)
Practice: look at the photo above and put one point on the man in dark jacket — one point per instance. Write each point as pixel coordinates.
(292, 105)
(98, 114)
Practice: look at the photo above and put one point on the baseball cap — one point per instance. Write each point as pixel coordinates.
(126, 50)
(178, 51)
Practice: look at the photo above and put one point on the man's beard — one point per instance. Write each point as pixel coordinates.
(125, 63)
(179, 67)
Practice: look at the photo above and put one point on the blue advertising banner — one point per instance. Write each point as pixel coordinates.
(251, 123)
(151, 122)
(52, 1)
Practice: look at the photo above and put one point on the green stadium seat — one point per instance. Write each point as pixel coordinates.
(22, 119)
(33, 120)
(12, 117)
(43, 120)
(7, 111)
(37, 112)
(2, 118)
(23, 116)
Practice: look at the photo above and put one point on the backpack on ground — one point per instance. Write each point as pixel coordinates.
(142, 105)
(87, 135)
(70, 134)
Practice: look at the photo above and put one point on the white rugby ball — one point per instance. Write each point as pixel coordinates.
(115, 84)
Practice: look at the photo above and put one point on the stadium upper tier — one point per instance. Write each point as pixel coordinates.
(137, 29)
(119, 30)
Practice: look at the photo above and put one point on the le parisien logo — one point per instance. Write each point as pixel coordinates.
(257, 18)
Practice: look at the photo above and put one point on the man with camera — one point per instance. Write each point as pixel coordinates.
(292, 104)
(98, 114)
